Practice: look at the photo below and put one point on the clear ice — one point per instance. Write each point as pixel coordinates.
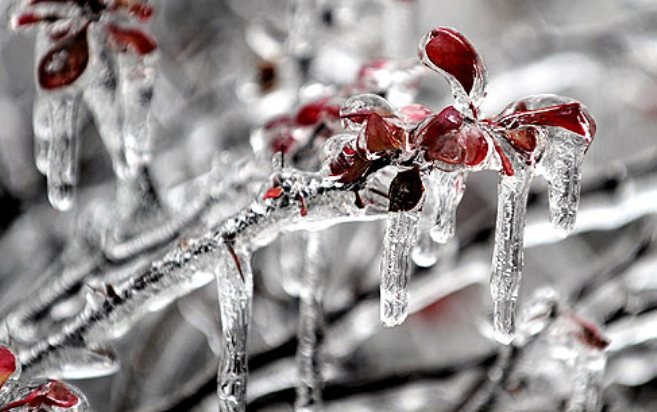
(235, 290)
(507, 254)
(311, 323)
(437, 224)
(398, 240)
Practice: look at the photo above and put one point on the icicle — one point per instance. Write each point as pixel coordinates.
(42, 132)
(311, 323)
(62, 153)
(507, 255)
(293, 263)
(400, 234)
(451, 187)
(438, 220)
(136, 90)
(235, 285)
(561, 168)
(589, 369)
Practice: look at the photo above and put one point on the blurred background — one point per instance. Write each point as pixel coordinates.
(225, 67)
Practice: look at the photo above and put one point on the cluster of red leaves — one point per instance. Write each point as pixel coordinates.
(310, 115)
(68, 58)
(449, 138)
(51, 393)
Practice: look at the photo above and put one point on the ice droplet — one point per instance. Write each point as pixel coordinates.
(399, 238)
(62, 153)
(507, 255)
(311, 323)
(235, 291)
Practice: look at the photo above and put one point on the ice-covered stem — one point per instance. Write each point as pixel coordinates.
(311, 324)
(399, 238)
(507, 255)
(62, 167)
(181, 270)
(235, 292)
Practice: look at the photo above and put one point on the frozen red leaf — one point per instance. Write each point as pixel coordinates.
(350, 164)
(133, 39)
(7, 364)
(448, 139)
(381, 136)
(65, 63)
(51, 393)
(524, 139)
(273, 193)
(570, 116)
(449, 51)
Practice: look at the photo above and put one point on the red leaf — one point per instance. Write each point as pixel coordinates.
(448, 139)
(381, 136)
(570, 116)
(7, 364)
(28, 19)
(273, 193)
(135, 39)
(52, 393)
(451, 52)
(350, 164)
(524, 139)
(65, 63)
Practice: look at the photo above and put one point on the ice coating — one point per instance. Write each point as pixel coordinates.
(398, 240)
(235, 292)
(311, 323)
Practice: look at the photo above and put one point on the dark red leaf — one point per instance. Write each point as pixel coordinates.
(137, 40)
(589, 334)
(451, 52)
(405, 191)
(28, 19)
(65, 63)
(350, 164)
(52, 393)
(570, 116)
(448, 139)
(381, 136)
(7, 364)
(524, 139)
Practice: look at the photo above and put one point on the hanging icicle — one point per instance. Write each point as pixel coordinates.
(235, 291)
(311, 322)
